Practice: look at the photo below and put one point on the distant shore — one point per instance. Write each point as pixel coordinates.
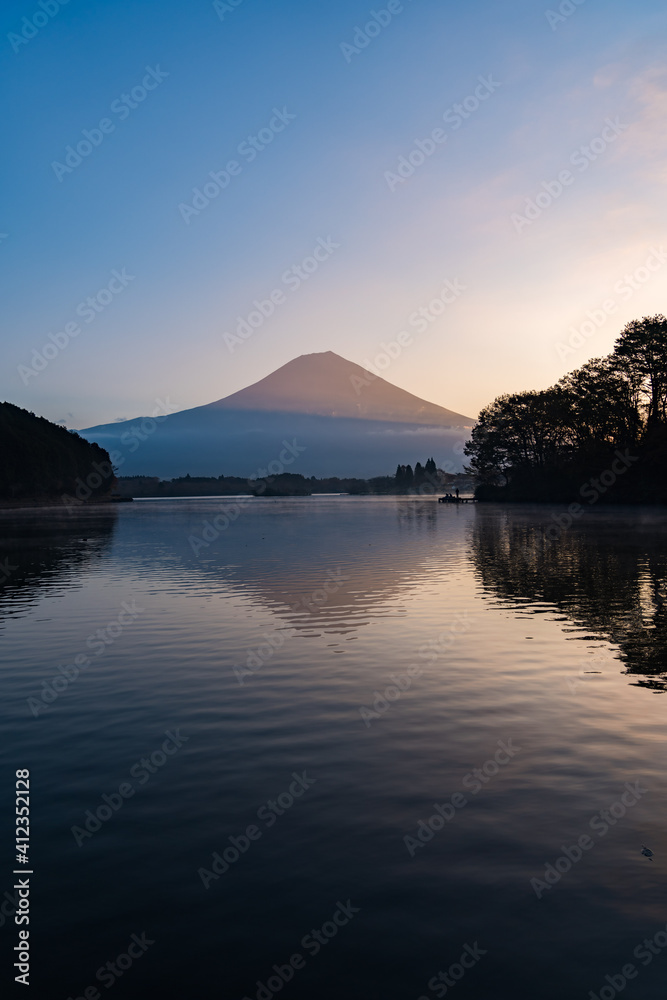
(21, 503)
(421, 481)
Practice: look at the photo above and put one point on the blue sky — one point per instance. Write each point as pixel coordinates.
(219, 75)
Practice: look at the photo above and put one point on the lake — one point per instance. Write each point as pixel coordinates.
(337, 747)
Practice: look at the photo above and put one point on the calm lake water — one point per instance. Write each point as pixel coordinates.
(533, 667)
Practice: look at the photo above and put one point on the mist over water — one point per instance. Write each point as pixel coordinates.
(401, 712)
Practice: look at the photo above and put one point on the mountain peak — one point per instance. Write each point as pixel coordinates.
(347, 421)
(325, 384)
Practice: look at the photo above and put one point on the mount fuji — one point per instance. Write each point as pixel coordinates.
(341, 420)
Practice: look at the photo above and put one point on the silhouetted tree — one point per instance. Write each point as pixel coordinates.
(545, 445)
(640, 354)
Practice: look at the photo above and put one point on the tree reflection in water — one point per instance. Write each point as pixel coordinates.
(607, 573)
(47, 548)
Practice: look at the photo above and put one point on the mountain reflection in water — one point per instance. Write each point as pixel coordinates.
(261, 648)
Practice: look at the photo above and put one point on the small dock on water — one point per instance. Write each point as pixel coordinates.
(450, 498)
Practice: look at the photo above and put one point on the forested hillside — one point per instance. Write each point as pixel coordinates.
(39, 459)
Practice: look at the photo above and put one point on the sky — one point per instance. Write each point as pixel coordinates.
(195, 193)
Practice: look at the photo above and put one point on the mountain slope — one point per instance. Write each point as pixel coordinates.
(345, 422)
(327, 385)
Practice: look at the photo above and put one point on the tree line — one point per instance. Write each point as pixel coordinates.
(554, 443)
(422, 480)
(406, 477)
